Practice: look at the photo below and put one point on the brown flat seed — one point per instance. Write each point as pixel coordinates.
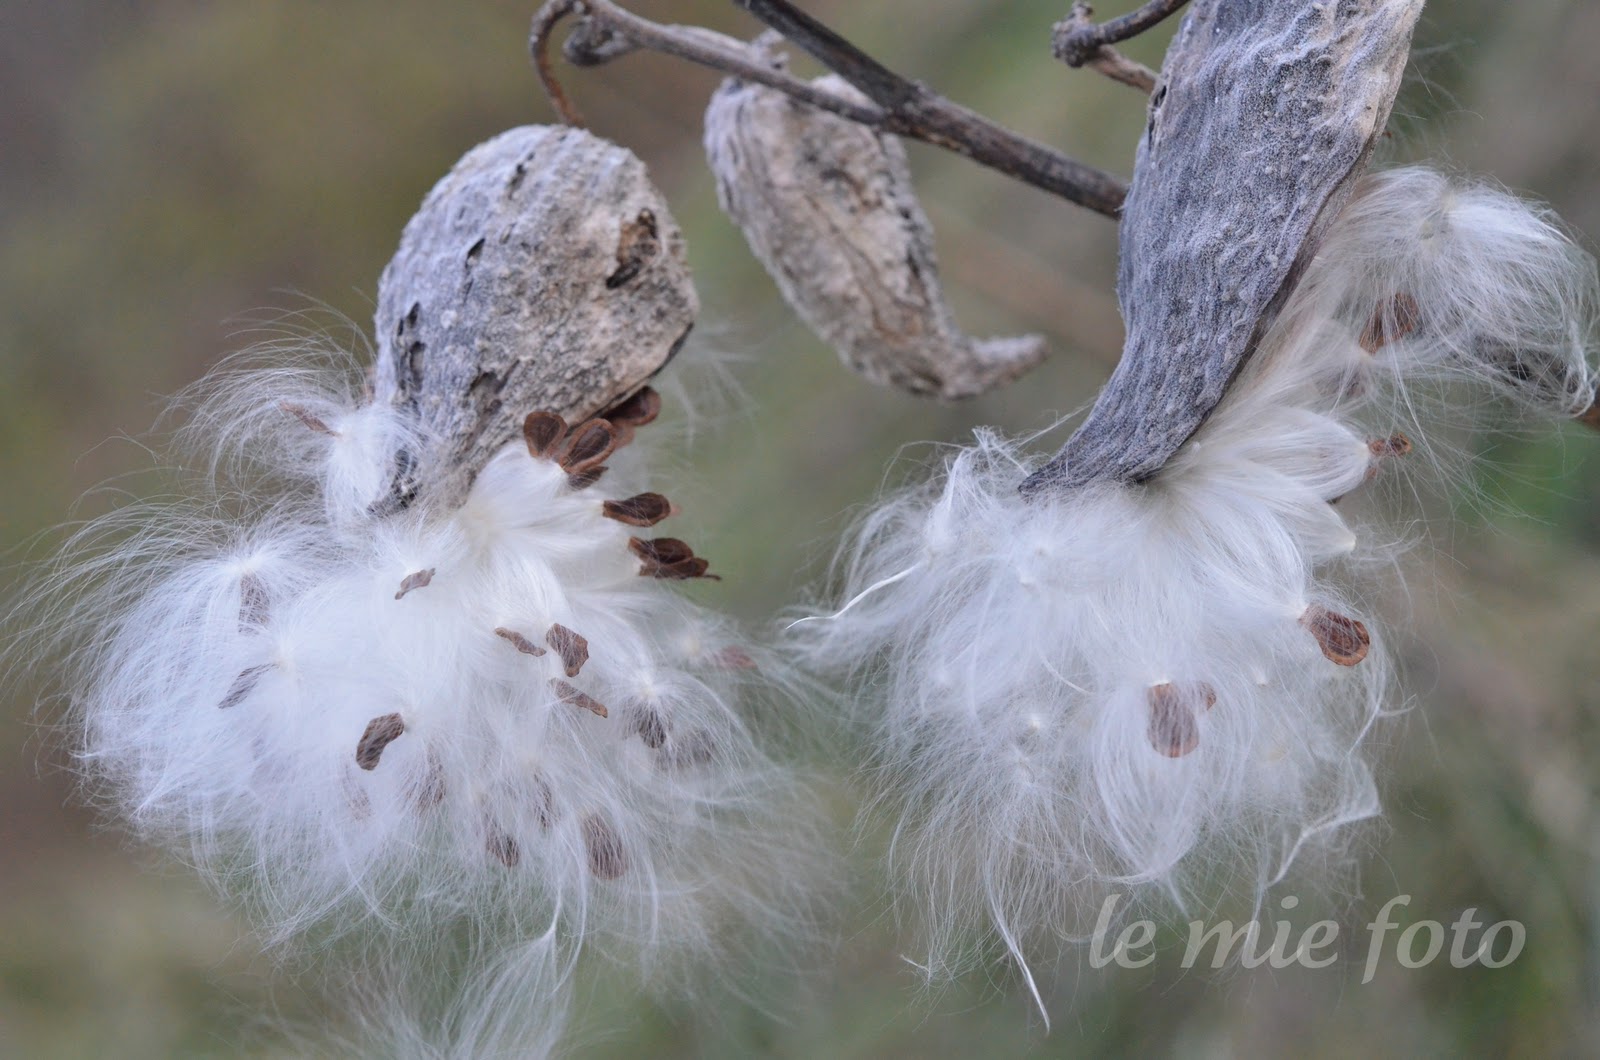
(591, 443)
(689, 750)
(642, 408)
(427, 790)
(523, 644)
(415, 580)
(650, 728)
(695, 567)
(607, 860)
(582, 700)
(354, 795)
(381, 732)
(503, 845)
(544, 803)
(1396, 444)
(733, 657)
(305, 416)
(252, 602)
(572, 647)
(1390, 322)
(660, 550)
(1342, 639)
(1590, 417)
(1173, 730)
(645, 509)
(586, 478)
(543, 432)
(243, 685)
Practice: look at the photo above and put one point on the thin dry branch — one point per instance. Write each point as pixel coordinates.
(898, 105)
(1077, 41)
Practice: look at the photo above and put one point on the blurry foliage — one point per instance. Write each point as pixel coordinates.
(172, 167)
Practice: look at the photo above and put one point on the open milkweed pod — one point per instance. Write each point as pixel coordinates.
(828, 208)
(468, 699)
(1149, 664)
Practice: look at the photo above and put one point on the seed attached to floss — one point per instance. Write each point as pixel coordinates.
(1396, 444)
(243, 685)
(252, 602)
(503, 845)
(521, 643)
(1343, 640)
(649, 727)
(305, 416)
(427, 790)
(571, 695)
(645, 509)
(642, 408)
(1390, 322)
(543, 432)
(732, 657)
(415, 580)
(590, 444)
(380, 733)
(1173, 730)
(607, 860)
(572, 647)
(668, 557)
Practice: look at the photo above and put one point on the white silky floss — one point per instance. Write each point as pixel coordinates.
(1159, 685)
(488, 715)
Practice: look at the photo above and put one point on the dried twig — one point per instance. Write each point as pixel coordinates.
(897, 105)
(1077, 41)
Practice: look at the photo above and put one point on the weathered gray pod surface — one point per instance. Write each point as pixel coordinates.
(828, 207)
(544, 272)
(1266, 112)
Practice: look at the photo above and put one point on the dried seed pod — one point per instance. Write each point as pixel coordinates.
(1343, 639)
(1265, 116)
(380, 733)
(828, 207)
(572, 647)
(415, 580)
(544, 272)
(607, 859)
(1174, 730)
(522, 643)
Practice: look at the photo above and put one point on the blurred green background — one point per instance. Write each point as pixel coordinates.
(169, 168)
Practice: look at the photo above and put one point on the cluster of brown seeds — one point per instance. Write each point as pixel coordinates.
(581, 452)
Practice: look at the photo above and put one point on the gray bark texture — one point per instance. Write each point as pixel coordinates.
(1266, 112)
(828, 208)
(544, 272)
